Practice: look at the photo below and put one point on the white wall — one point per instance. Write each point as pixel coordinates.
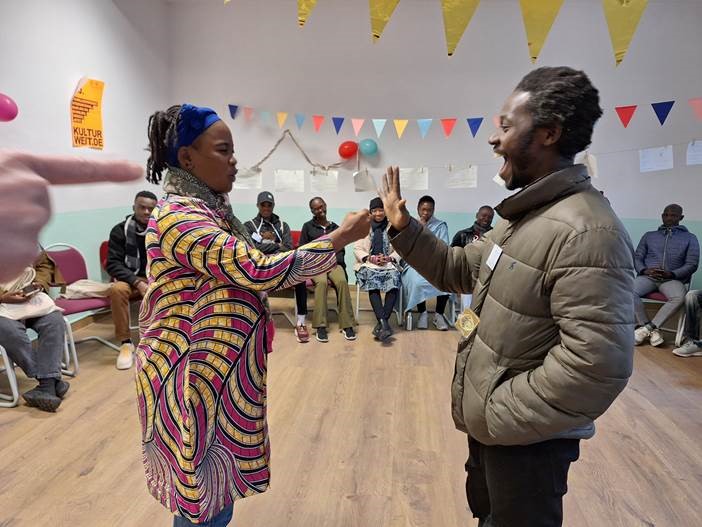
(253, 53)
(47, 46)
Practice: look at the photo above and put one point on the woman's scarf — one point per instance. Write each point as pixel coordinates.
(377, 236)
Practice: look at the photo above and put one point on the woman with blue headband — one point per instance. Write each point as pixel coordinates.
(206, 328)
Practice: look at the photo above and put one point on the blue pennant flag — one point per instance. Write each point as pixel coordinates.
(379, 124)
(474, 124)
(424, 125)
(338, 122)
(299, 119)
(232, 110)
(662, 110)
(265, 116)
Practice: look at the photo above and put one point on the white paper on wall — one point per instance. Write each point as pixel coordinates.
(694, 153)
(655, 159)
(590, 162)
(289, 180)
(464, 178)
(497, 179)
(249, 178)
(363, 181)
(322, 181)
(414, 178)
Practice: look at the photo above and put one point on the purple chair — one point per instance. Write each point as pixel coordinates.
(71, 263)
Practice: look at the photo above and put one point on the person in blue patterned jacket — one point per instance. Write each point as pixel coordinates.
(665, 261)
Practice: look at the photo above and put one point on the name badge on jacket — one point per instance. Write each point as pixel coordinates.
(495, 254)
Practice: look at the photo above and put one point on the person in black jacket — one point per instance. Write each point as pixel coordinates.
(126, 265)
(318, 226)
(272, 235)
(483, 223)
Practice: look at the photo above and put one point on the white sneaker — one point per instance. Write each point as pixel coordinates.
(656, 338)
(125, 359)
(688, 349)
(440, 322)
(641, 334)
(423, 322)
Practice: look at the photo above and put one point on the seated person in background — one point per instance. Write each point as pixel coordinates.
(126, 265)
(483, 223)
(415, 288)
(665, 260)
(43, 362)
(692, 345)
(271, 235)
(318, 226)
(377, 269)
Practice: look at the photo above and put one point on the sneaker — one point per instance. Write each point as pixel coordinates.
(641, 334)
(43, 400)
(321, 335)
(423, 322)
(301, 334)
(656, 338)
(61, 388)
(349, 333)
(689, 349)
(440, 322)
(125, 359)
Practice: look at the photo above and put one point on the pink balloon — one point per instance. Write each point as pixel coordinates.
(8, 108)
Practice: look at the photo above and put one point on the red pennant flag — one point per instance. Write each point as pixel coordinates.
(317, 120)
(248, 113)
(448, 125)
(625, 114)
(696, 104)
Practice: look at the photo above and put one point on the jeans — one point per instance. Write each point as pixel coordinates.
(510, 486)
(674, 291)
(221, 520)
(44, 362)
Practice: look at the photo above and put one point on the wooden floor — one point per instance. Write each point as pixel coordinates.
(361, 436)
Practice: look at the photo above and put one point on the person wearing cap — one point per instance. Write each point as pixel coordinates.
(271, 235)
(377, 269)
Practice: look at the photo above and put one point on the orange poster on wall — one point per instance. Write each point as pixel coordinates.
(86, 115)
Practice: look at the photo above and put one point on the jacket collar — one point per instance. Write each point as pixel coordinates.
(680, 228)
(273, 221)
(548, 189)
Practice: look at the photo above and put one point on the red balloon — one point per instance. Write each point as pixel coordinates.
(348, 149)
(8, 108)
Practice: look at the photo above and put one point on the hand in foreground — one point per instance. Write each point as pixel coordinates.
(13, 298)
(395, 206)
(356, 225)
(24, 198)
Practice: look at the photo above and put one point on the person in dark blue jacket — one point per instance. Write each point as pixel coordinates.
(665, 261)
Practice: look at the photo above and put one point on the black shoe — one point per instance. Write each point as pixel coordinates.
(42, 400)
(377, 329)
(349, 333)
(385, 332)
(321, 335)
(61, 388)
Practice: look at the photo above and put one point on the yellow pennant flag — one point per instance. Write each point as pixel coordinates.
(457, 15)
(623, 17)
(282, 117)
(380, 13)
(304, 8)
(86, 114)
(538, 19)
(400, 125)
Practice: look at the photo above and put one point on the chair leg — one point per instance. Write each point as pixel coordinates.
(9, 401)
(70, 354)
(358, 300)
(680, 333)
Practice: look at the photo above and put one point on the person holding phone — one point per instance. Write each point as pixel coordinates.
(42, 363)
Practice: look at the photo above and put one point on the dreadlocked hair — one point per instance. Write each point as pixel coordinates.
(162, 133)
(564, 96)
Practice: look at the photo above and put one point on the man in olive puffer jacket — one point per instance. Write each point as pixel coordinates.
(552, 285)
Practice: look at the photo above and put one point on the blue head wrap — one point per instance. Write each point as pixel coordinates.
(192, 121)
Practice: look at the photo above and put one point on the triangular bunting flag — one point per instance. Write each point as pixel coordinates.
(424, 125)
(338, 123)
(282, 117)
(625, 114)
(304, 8)
(474, 124)
(538, 18)
(662, 110)
(448, 125)
(400, 125)
(380, 13)
(232, 110)
(457, 15)
(696, 104)
(357, 125)
(248, 113)
(299, 119)
(265, 116)
(622, 19)
(317, 120)
(379, 124)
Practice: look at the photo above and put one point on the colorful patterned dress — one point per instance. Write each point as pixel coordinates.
(201, 362)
